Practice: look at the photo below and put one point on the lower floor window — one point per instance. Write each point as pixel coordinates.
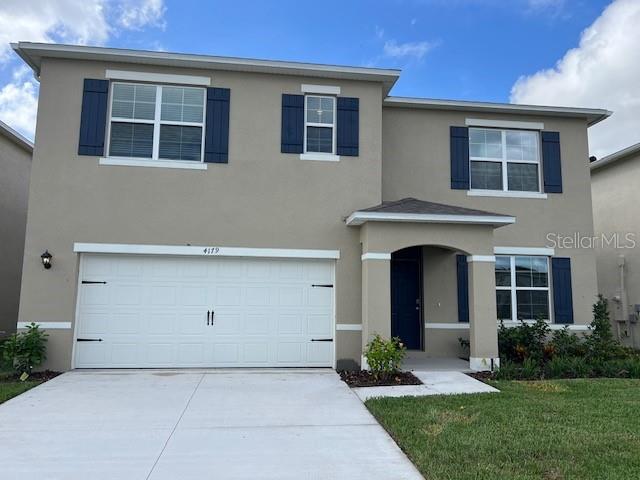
(522, 287)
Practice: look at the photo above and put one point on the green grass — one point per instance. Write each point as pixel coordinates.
(10, 388)
(551, 430)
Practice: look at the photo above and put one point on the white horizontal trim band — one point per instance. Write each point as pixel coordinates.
(358, 218)
(483, 122)
(320, 157)
(203, 251)
(481, 258)
(349, 326)
(446, 326)
(502, 193)
(157, 77)
(48, 325)
(552, 326)
(137, 162)
(548, 252)
(321, 89)
(375, 256)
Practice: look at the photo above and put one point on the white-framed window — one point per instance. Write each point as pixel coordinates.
(504, 160)
(320, 124)
(156, 122)
(522, 287)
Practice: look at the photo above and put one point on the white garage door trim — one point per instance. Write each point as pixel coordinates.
(223, 252)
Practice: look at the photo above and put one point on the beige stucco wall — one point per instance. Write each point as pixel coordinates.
(615, 198)
(417, 164)
(15, 165)
(261, 198)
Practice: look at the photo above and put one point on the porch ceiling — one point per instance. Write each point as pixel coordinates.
(420, 211)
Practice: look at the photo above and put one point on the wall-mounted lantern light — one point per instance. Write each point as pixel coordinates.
(46, 259)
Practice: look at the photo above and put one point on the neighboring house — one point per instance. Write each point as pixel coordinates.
(615, 215)
(217, 212)
(15, 165)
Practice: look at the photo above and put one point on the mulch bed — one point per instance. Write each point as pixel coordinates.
(364, 378)
(34, 377)
(482, 376)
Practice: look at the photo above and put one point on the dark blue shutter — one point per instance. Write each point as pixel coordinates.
(216, 137)
(462, 268)
(562, 295)
(551, 163)
(93, 119)
(459, 137)
(348, 118)
(292, 135)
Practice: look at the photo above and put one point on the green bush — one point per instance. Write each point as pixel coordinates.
(526, 341)
(24, 351)
(601, 344)
(384, 357)
(565, 343)
(567, 367)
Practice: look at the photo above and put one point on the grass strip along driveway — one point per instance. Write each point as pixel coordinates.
(551, 430)
(10, 388)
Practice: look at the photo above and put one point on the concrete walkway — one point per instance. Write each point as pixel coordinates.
(159, 425)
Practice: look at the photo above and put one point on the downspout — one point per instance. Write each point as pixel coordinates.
(624, 303)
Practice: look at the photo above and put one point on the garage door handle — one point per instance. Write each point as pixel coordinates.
(207, 317)
(322, 339)
(88, 340)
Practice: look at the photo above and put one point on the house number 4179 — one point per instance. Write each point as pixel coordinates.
(211, 250)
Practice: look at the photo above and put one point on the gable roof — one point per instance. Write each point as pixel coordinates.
(414, 210)
(33, 53)
(619, 155)
(16, 137)
(591, 115)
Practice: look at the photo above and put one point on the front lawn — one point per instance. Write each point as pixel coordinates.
(10, 388)
(551, 430)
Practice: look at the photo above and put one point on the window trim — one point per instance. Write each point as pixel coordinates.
(513, 288)
(306, 155)
(504, 162)
(157, 122)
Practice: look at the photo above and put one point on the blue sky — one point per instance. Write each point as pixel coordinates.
(458, 49)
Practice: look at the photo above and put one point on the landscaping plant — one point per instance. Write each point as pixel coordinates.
(384, 357)
(24, 351)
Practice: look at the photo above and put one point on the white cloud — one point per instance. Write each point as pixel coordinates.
(135, 15)
(67, 21)
(408, 49)
(603, 71)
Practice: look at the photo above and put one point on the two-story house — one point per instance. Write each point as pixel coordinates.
(217, 212)
(15, 165)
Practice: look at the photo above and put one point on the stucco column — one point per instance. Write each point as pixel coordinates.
(483, 325)
(376, 296)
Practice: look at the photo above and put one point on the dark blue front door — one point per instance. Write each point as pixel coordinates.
(406, 296)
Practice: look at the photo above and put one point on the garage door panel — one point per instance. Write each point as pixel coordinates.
(152, 312)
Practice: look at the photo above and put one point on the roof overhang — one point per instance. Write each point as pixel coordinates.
(16, 137)
(359, 217)
(614, 157)
(591, 115)
(33, 53)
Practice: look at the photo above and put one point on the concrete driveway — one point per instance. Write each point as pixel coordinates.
(293, 424)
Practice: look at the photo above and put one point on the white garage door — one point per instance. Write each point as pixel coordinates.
(151, 311)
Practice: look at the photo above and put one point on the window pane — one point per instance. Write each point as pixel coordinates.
(134, 101)
(486, 175)
(503, 271)
(503, 300)
(180, 143)
(320, 139)
(533, 304)
(523, 177)
(532, 272)
(485, 143)
(182, 104)
(131, 140)
(320, 110)
(521, 145)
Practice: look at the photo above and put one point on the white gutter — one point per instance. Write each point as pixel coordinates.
(620, 154)
(358, 218)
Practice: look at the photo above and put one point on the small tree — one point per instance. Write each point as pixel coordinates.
(24, 351)
(601, 344)
(384, 357)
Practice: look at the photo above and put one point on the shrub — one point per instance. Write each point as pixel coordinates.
(567, 367)
(526, 341)
(529, 369)
(600, 344)
(24, 351)
(566, 343)
(384, 357)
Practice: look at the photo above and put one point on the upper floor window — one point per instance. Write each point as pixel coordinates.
(157, 122)
(319, 127)
(522, 287)
(506, 160)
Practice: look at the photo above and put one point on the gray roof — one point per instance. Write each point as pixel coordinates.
(16, 137)
(619, 155)
(413, 205)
